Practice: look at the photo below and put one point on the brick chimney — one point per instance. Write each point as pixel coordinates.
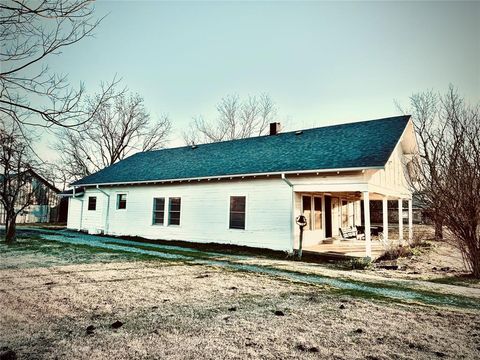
(274, 128)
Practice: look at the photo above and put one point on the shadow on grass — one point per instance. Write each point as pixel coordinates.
(34, 251)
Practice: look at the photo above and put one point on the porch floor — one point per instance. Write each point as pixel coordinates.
(346, 248)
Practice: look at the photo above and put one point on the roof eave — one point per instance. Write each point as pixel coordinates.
(290, 172)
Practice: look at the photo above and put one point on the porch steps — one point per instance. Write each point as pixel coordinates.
(329, 241)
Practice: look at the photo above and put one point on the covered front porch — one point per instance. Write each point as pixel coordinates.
(328, 213)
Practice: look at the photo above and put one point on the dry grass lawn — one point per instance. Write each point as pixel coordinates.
(52, 293)
(176, 311)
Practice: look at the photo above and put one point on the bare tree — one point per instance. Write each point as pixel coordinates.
(425, 109)
(118, 128)
(30, 33)
(447, 168)
(54, 174)
(237, 119)
(16, 161)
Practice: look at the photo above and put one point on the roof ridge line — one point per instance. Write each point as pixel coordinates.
(279, 134)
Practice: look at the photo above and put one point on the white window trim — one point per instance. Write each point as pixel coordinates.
(116, 200)
(301, 209)
(96, 202)
(167, 215)
(322, 219)
(228, 211)
(164, 212)
(312, 211)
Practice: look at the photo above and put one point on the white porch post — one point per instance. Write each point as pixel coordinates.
(366, 212)
(410, 220)
(400, 221)
(385, 217)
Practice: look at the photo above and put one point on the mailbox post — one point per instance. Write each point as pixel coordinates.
(301, 222)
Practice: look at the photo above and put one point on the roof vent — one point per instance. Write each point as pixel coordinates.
(299, 132)
(274, 128)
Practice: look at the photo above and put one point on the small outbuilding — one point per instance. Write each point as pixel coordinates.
(44, 205)
(249, 191)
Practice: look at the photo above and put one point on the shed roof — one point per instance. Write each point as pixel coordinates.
(365, 144)
(40, 178)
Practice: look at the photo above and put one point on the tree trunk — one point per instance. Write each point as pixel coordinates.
(11, 230)
(475, 255)
(476, 269)
(438, 228)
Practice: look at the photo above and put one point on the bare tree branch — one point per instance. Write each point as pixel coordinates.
(447, 168)
(31, 32)
(237, 119)
(120, 127)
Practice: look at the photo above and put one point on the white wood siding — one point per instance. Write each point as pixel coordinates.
(343, 182)
(271, 207)
(394, 178)
(204, 217)
(74, 213)
(94, 220)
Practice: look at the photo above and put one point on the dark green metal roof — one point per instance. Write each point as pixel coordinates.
(354, 145)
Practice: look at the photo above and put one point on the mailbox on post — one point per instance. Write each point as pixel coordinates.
(301, 221)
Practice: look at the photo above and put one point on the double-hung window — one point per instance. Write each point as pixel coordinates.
(121, 201)
(158, 211)
(174, 211)
(307, 210)
(317, 211)
(237, 212)
(92, 203)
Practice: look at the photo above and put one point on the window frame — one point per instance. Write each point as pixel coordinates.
(155, 211)
(230, 212)
(311, 220)
(317, 225)
(118, 201)
(95, 204)
(309, 226)
(169, 221)
(344, 213)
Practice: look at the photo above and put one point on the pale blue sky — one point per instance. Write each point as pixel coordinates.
(321, 62)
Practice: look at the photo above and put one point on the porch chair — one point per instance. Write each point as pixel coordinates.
(360, 232)
(374, 231)
(349, 232)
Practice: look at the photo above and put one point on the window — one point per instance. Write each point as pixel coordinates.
(158, 211)
(174, 211)
(344, 213)
(317, 207)
(237, 212)
(307, 210)
(121, 201)
(92, 203)
(351, 214)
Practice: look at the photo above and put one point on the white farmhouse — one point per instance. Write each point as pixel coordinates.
(249, 191)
